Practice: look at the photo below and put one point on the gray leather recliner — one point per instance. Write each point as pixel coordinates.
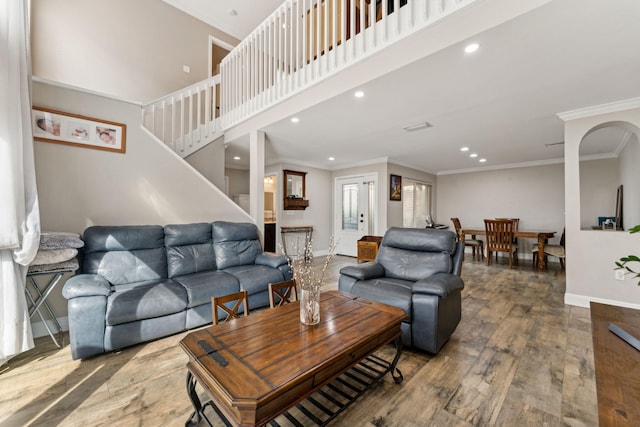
(417, 270)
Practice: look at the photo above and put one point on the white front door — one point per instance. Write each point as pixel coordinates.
(355, 211)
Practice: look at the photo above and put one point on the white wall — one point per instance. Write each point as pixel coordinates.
(130, 49)
(238, 181)
(591, 254)
(535, 194)
(209, 161)
(630, 179)
(148, 184)
(599, 180)
(394, 208)
(318, 214)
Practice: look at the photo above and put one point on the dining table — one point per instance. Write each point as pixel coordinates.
(540, 235)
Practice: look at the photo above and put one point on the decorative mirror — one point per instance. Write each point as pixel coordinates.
(294, 190)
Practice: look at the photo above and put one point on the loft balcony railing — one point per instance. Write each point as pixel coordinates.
(300, 44)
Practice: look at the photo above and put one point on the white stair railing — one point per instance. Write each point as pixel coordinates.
(300, 44)
(305, 41)
(188, 119)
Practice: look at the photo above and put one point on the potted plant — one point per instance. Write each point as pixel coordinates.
(623, 262)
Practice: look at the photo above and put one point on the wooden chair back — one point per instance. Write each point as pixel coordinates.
(282, 293)
(224, 302)
(499, 233)
(516, 222)
(457, 226)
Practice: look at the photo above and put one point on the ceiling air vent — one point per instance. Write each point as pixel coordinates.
(417, 126)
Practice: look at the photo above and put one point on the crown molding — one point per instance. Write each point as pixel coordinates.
(506, 166)
(596, 110)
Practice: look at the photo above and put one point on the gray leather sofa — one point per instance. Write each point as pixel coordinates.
(140, 283)
(417, 270)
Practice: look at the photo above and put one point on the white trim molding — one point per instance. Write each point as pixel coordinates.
(596, 110)
(584, 300)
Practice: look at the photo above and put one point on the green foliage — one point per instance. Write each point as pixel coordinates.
(622, 263)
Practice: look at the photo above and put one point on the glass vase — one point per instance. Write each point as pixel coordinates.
(309, 305)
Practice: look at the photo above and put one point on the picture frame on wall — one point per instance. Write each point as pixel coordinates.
(81, 131)
(395, 188)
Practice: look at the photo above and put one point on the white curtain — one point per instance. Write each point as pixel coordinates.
(19, 215)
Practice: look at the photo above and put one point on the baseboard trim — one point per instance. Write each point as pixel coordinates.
(584, 300)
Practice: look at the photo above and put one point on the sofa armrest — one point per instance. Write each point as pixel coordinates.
(440, 284)
(86, 285)
(270, 259)
(366, 271)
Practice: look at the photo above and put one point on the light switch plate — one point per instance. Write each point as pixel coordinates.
(619, 274)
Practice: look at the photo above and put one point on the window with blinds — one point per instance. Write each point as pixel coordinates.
(416, 203)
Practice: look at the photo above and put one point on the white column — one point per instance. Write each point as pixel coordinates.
(256, 178)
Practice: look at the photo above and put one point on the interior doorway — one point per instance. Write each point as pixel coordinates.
(217, 51)
(356, 211)
(270, 212)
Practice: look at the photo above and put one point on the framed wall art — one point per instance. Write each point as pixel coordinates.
(395, 189)
(72, 129)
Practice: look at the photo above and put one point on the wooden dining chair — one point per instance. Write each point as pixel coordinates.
(475, 244)
(499, 233)
(553, 250)
(282, 293)
(516, 224)
(223, 303)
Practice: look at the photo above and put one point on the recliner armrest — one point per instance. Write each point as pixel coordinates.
(366, 271)
(270, 259)
(440, 284)
(86, 285)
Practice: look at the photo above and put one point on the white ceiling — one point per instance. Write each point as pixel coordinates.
(220, 13)
(501, 101)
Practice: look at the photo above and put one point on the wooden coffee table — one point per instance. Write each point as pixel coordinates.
(257, 367)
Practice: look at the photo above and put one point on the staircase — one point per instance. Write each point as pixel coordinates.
(302, 43)
(188, 119)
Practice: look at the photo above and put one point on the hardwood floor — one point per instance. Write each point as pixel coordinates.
(519, 357)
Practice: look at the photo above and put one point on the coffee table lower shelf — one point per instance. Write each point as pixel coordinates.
(323, 405)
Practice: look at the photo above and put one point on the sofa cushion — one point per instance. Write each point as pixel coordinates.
(202, 286)
(125, 254)
(189, 248)
(393, 292)
(144, 301)
(255, 278)
(235, 243)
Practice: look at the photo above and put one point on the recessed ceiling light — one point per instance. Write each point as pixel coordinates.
(332, 159)
(470, 48)
(358, 94)
(473, 155)
(294, 120)
(464, 149)
(482, 160)
(236, 157)
(417, 126)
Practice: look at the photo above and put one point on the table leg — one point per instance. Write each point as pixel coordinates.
(541, 261)
(196, 415)
(44, 321)
(395, 372)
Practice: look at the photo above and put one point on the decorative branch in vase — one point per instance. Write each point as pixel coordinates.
(623, 262)
(308, 280)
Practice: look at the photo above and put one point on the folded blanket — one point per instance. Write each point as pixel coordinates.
(71, 265)
(60, 240)
(53, 256)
